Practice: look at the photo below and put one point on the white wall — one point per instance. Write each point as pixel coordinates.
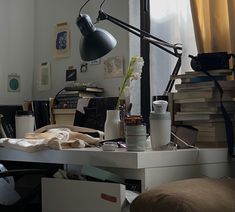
(50, 12)
(16, 48)
(27, 38)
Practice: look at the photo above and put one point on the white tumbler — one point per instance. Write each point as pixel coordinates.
(24, 122)
(160, 130)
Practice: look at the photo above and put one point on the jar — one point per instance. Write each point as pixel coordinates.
(135, 133)
(24, 122)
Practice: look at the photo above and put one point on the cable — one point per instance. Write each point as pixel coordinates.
(102, 4)
(83, 6)
(188, 145)
(55, 98)
(191, 146)
(87, 2)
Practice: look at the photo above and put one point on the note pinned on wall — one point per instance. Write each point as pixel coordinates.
(44, 77)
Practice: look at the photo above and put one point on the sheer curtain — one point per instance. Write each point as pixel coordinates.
(171, 21)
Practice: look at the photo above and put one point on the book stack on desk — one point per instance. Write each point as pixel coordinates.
(198, 100)
(68, 98)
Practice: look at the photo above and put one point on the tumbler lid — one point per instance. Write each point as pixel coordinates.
(24, 113)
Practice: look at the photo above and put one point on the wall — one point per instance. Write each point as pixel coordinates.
(50, 12)
(16, 48)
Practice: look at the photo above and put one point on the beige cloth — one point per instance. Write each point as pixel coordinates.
(52, 137)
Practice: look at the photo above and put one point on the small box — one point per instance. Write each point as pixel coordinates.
(60, 195)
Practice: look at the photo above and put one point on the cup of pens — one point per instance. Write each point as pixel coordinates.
(135, 133)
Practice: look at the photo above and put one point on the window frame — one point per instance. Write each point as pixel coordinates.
(145, 49)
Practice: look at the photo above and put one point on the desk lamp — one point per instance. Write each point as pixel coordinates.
(96, 42)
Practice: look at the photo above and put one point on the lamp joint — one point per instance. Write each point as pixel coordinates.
(102, 16)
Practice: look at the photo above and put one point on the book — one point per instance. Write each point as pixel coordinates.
(190, 95)
(84, 94)
(207, 106)
(202, 79)
(194, 74)
(209, 93)
(84, 88)
(197, 113)
(198, 116)
(210, 127)
(215, 135)
(202, 99)
(210, 123)
(211, 144)
(225, 84)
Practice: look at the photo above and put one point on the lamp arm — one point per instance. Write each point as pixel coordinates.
(142, 34)
(172, 81)
(176, 49)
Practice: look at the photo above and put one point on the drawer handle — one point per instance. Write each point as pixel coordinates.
(108, 197)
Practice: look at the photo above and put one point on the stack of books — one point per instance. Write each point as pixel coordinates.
(68, 97)
(198, 101)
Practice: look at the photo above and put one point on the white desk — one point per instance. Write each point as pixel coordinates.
(151, 167)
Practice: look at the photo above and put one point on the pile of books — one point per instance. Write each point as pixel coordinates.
(68, 97)
(198, 101)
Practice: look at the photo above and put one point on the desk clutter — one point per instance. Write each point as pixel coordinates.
(53, 137)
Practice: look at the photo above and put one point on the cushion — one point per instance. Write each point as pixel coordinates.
(191, 195)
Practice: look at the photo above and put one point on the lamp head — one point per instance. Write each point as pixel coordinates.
(95, 42)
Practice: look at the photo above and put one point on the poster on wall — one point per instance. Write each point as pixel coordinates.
(44, 77)
(113, 67)
(62, 40)
(13, 82)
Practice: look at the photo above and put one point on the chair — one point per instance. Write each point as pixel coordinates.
(14, 197)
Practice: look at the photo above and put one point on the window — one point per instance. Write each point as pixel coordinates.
(170, 21)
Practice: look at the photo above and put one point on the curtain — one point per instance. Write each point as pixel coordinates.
(170, 21)
(214, 22)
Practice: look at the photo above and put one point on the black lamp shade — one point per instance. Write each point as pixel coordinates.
(95, 42)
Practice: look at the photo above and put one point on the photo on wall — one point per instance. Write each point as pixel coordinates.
(62, 40)
(113, 67)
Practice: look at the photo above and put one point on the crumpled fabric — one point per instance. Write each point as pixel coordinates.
(56, 138)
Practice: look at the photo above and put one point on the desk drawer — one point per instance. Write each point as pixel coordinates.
(60, 195)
